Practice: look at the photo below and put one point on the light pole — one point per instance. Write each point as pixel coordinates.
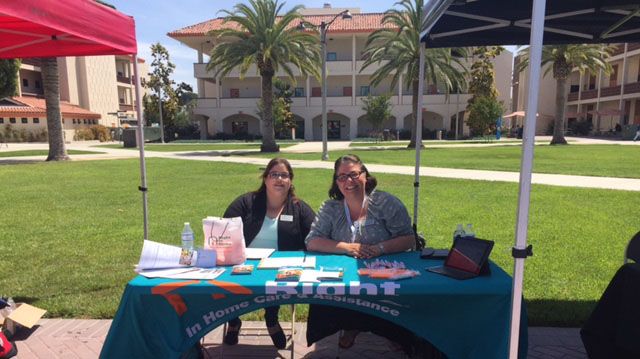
(324, 26)
(160, 113)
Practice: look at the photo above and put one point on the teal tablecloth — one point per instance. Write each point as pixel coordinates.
(162, 318)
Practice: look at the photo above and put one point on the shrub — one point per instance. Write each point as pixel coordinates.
(83, 134)
(100, 133)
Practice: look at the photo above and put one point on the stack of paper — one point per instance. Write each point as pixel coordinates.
(184, 273)
(279, 262)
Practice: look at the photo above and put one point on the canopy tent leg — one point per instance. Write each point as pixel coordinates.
(418, 134)
(143, 168)
(526, 164)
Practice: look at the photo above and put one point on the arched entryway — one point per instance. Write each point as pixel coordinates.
(337, 127)
(365, 128)
(241, 123)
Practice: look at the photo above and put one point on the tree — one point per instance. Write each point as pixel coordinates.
(561, 60)
(9, 77)
(51, 85)
(482, 82)
(377, 110)
(282, 115)
(399, 48)
(483, 113)
(260, 36)
(161, 84)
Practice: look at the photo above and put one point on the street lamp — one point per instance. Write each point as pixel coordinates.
(324, 26)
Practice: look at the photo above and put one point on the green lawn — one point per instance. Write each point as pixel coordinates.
(43, 153)
(587, 160)
(183, 147)
(73, 230)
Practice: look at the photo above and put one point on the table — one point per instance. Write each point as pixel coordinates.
(162, 318)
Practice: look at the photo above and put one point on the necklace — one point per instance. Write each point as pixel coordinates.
(355, 226)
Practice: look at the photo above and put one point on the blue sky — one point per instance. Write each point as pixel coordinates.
(154, 19)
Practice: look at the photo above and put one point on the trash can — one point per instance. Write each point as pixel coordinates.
(439, 135)
(386, 134)
(129, 137)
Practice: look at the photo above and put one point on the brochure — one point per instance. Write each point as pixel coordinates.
(184, 273)
(279, 262)
(160, 256)
(242, 269)
(289, 274)
(258, 253)
(315, 276)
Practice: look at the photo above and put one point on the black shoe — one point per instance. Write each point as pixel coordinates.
(231, 337)
(277, 336)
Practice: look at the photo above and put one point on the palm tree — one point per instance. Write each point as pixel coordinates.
(51, 85)
(562, 59)
(272, 42)
(400, 48)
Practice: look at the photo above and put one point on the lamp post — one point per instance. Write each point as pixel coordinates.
(324, 26)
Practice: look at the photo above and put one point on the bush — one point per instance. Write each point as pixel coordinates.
(83, 134)
(100, 133)
(581, 127)
(405, 134)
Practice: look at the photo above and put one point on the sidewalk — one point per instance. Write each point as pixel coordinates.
(79, 338)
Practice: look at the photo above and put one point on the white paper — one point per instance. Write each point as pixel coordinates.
(279, 262)
(158, 255)
(184, 273)
(258, 253)
(313, 276)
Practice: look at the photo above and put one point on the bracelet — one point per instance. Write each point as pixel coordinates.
(381, 247)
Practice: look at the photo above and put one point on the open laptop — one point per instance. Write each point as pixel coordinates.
(466, 258)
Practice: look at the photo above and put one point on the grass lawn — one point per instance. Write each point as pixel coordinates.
(43, 153)
(73, 230)
(183, 147)
(430, 143)
(586, 160)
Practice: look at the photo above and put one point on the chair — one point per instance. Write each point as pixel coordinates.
(633, 249)
(291, 328)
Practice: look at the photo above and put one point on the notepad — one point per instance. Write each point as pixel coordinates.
(258, 253)
(279, 262)
(315, 276)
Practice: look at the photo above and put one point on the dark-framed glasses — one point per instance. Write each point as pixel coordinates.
(353, 175)
(276, 175)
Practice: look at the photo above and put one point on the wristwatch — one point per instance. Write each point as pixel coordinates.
(381, 247)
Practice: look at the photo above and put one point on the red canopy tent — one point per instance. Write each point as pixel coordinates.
(59, 28)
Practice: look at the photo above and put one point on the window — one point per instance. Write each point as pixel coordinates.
(574, 88)
(24, 120)
(74, 121)
(38, 86)
(234, 93)
(37, 120)
(316, 92)
(331, 56)
(1, 120)
(239, 127)
(298, 92)
(84, 121)
(12, 120)
(121, 100)
(347, 91)
(365, 90)
(25, 82)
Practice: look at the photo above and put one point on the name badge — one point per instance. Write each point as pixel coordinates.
(286, 218)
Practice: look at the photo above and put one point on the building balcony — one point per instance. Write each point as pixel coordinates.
(298, 102)
(331, 101)
(239, 102)
(633, 46)
(610, 91)
(370, 69)
(589, 94)
(339, 68)
(619, 49)
(125, 107)
(573, 96)
(123, 79)
(632, 88)
(33, 93)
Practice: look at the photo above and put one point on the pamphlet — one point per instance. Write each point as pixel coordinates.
(315, 276)
(289, 274)
(258, 253)
(184, 273)
(280, 262)
(159, 256)
(242, 269)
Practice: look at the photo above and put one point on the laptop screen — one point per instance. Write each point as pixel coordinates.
(468, 254)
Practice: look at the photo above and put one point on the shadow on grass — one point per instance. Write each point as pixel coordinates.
(559, 313)
(218, 153)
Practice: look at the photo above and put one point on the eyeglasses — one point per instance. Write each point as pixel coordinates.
(276, 175)
(353, 175)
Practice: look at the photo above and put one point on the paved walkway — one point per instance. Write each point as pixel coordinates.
(75, 338)
(626, 184)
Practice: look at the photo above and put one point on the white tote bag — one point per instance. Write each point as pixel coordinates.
(225, 236)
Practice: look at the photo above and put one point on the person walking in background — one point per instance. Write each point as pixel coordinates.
(637, 133)
(272, 217)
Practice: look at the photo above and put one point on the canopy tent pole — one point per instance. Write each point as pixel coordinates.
(140, 134)
(416, 183)
(520, 251)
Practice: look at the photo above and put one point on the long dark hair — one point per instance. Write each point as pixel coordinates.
(274, 162)
(334, 191)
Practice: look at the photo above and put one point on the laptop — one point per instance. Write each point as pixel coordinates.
(467, 258)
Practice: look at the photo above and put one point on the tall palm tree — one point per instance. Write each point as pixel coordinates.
(272, 42)
(51, 85)
(562, 59)
(400, 45)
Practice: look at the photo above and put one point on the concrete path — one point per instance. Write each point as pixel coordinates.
(626, 184)
(78, 338)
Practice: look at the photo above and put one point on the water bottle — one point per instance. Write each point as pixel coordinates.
(469, 231)
(459, 232)
(187, 237)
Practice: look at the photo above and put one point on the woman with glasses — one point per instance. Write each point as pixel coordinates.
(272, 217)
(361, 222)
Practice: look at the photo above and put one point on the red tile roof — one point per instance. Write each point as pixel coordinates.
(35, 107)
(358, 23)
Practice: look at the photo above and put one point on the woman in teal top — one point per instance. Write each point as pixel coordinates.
(272, 217)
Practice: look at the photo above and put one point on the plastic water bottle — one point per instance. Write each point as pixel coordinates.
(469, 231)
(459, 232)
(187, 237)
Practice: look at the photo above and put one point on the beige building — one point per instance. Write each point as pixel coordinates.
(93, 90)
(228, 105)
(603, 100)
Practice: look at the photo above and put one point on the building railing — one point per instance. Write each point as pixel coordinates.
(573, 96)
(589, 94)
(632, 87)
(125, 107)
(633, 46)
(123, 79)
(610, 91)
